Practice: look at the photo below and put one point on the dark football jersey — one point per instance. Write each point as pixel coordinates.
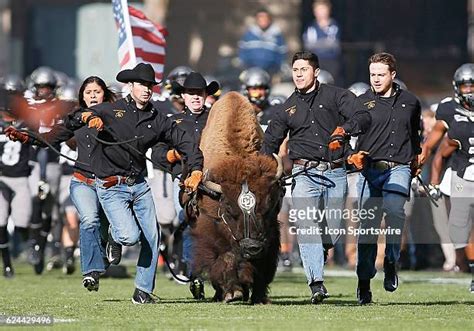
(446, 110)
(14, 157)
(47, 113)
(462, 130)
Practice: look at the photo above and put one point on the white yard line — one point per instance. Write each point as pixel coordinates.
(64, 320)
(411, 278)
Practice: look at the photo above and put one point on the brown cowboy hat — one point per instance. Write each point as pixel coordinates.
(196, 81)
(143, 72)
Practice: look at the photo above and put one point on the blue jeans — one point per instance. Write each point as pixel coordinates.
(186, 236)
(87, 204)
(310, 195)
(131, 213)
(381, 192)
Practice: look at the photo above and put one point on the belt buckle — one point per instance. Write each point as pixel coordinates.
(387, 165)
(130, 181)
(322, 166)
(382, 165)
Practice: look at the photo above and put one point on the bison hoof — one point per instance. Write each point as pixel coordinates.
(235, 296)
(261, 301)
(228, 297)
(238, 295)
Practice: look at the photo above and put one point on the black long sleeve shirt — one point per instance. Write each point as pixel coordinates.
(14, 156)
(189, 122)
(461, 129)
(446, 110)
(123, 121)
(394, 134)
(310, 120)
(85, 142)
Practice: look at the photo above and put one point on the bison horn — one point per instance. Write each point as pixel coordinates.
(211, 185)
(279, 171)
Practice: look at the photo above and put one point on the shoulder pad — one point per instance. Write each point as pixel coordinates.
(447, 99)
(460, 118)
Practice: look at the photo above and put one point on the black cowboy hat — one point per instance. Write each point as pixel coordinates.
(196, 81)
(143, 72)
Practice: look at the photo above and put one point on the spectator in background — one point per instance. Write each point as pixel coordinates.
(322, 37)
(263, 45)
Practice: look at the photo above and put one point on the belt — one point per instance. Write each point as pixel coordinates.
(115, 180)
(84, 179)
(318, 165)
(383, 165)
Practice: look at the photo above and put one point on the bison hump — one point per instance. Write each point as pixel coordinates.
(232, 129)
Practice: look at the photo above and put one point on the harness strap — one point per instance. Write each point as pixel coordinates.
(227, 224)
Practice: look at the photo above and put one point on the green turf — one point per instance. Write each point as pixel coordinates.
(421, 303)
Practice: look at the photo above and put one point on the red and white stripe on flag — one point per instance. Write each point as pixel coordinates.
(140, 40)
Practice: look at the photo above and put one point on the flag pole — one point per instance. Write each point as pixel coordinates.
(128, 28)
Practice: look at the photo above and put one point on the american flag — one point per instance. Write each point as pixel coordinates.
(140, 40)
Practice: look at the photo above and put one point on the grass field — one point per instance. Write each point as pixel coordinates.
(424, 301)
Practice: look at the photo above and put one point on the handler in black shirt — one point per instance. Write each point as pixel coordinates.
(82, 189)
(192, 120)
(391, 146)
(194, 91)
(314, 115)
(121, 187)
(132, 126)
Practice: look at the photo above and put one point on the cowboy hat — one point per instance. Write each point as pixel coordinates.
(196, 81)
(143, 72)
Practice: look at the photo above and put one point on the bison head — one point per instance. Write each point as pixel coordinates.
(250, 199)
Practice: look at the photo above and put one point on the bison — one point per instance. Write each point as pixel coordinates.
(236, 232)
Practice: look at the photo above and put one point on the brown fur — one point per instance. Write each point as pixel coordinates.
(230, 143)
(231, 129)
(217, 254)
